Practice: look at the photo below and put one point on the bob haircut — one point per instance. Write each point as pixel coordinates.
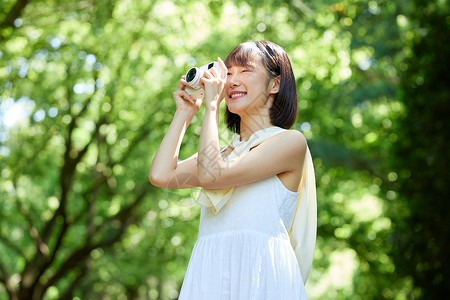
(283, 112)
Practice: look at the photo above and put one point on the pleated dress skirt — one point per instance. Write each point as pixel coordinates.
(243, 252)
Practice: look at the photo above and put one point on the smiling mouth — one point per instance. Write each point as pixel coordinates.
(237, 95)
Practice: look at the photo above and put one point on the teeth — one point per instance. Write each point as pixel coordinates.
(237, 95)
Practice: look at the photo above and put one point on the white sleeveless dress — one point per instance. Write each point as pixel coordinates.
(243, 251)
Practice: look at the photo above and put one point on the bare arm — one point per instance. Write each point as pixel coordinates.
(165, 170)
(284, 152)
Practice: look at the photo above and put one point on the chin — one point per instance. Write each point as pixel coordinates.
(235, 106)
(235, 109)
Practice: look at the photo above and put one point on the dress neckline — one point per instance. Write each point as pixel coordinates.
(236, 139)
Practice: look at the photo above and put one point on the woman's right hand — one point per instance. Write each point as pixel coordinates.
(183, 100)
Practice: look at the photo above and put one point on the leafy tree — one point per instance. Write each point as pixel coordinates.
(422, 235)
(85, 89)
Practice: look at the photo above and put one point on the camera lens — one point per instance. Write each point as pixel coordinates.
(191, 75)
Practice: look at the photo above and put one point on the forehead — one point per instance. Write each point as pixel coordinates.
(245, 55)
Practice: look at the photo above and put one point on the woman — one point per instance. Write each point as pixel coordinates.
(251, 188)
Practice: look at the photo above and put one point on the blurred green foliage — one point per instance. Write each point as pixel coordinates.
(85, 90)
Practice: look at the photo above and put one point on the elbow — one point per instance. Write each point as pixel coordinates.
(154, 180)
(157, 180)
(202, 182)
(210, 178)
(207, 181)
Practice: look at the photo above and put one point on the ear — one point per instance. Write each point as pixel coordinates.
(274, 85)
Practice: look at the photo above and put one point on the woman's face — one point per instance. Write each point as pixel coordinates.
(247, 89)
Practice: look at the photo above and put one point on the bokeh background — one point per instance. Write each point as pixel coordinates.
(86, 97)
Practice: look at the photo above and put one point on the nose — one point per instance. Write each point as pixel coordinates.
(233, 81)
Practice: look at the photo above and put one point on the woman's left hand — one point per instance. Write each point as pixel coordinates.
(214, 85)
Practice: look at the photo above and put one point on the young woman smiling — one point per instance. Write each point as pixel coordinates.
(256, 191)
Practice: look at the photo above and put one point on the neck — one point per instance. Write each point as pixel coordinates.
(250, 125)
(254, 119)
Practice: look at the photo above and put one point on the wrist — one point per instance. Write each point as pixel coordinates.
(212, 107)
(185, 114)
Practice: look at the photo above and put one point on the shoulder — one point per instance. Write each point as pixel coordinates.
(296, 136)
(292, 139)
(285, 150)
(289, 144)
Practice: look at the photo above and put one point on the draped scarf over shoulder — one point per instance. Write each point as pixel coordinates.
(304, 227)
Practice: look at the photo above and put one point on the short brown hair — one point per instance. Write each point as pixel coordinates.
(283, 112)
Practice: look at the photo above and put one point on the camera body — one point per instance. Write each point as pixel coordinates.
(193, 77)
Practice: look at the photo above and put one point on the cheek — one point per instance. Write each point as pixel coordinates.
(256, 87)
(258, 82)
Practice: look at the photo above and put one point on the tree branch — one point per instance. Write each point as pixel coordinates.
(43, 260)
(66, 224)
(90, 191)
(12, 246)
(14, 13)
(41, 247)
(4, 278)
(81, 254)
(124, 212)
(69, 167)
(26, 162)
(124, 218)
(134, 143)
(68, 294)
(34, 234)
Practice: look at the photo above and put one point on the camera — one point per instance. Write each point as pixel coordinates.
(193, 77)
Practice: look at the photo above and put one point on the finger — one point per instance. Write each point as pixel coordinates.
(214, 72)
(204, 81)
(184, 95)
(223, 68)
(207, 74)
(182, 83)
